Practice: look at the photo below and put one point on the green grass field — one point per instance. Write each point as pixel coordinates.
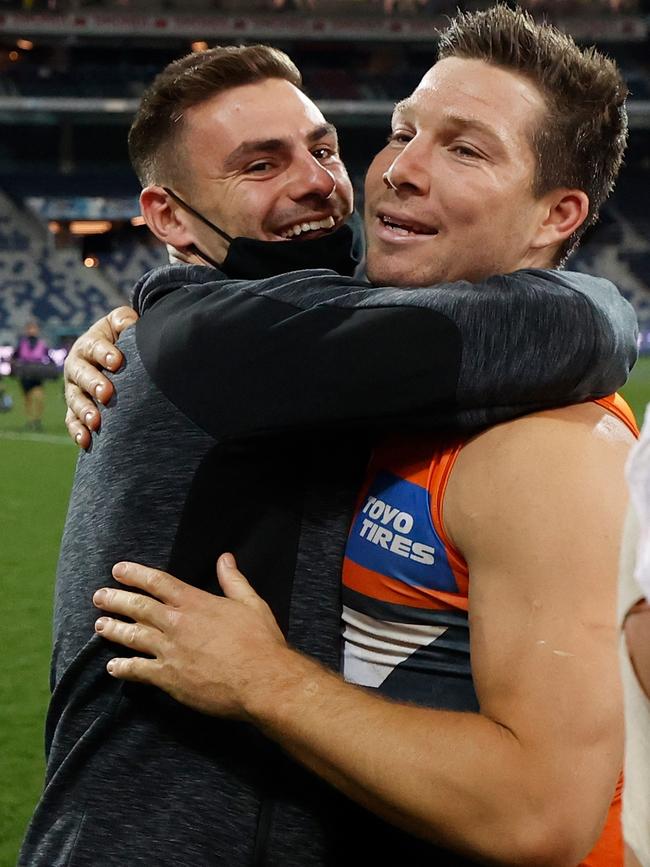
(35, 472)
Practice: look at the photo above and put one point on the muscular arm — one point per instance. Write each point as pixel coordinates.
(322, 351)
(536, 507)
(312, 351)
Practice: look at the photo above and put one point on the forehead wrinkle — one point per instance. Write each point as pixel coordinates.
(273, 145)
(468, 122)
(450, 117)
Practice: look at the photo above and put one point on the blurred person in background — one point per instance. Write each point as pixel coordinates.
(28, 363)
(634, 616)
(512, 779)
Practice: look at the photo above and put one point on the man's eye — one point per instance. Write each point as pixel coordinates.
(465, 151)
(323, 153)
(264, 166)
(401, 138)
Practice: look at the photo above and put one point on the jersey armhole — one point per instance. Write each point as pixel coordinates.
(438, 478)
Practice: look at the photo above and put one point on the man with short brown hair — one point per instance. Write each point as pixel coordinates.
(156, 134)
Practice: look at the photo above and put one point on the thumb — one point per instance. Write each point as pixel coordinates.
(121, 318)
(232, 582)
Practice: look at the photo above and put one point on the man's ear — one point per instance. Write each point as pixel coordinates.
(564, 211)
(165, 218)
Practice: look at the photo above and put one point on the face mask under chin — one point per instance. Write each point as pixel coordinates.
(250, 259)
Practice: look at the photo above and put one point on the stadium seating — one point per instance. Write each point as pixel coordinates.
(52, 285)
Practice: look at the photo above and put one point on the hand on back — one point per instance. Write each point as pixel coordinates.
(85, 383)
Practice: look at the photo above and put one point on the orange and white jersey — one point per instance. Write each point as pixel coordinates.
(404, 585)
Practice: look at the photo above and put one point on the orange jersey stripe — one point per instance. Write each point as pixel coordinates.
(387, 589)
(618, 406)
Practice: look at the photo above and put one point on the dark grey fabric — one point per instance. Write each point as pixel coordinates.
(337, 352)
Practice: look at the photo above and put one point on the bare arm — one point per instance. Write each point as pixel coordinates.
(83, 375)
(542, 542)
(526, 781)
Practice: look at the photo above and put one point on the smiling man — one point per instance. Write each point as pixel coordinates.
(244, 413)
(208, 133)
(461, 147)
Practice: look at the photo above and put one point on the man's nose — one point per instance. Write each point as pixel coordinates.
(311, 178)
(410, 171)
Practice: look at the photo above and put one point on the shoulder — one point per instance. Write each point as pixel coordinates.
(549, 466)
(585, 428)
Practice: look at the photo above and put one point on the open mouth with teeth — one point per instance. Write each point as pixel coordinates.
(311, 229)
(406, 229)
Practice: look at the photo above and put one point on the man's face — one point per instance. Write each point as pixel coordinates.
(461, 161)
(260, 161)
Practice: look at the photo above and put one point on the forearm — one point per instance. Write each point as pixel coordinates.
(459, 356)
(521, 786)
(460, 780)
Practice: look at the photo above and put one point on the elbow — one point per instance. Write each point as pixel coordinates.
(533, 840)
(549, 842)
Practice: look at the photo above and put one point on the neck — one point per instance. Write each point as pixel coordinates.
(542, 258)
(187, 256)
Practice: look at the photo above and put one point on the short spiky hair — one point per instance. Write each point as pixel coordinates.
(580, 142)
(189, 81)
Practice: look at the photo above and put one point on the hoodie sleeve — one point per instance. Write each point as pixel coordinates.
(314, 350)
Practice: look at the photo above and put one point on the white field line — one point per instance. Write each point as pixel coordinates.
(36, 438)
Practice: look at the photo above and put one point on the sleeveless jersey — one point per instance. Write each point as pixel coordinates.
(35, 352)
(405, 590)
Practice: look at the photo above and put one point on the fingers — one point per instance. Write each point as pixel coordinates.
(133, 635)
(136, 669)
(99, 350)
(119, 320)
(80, 409)
(84, 381)
(134, 605)
(84, 384)
(233, 582)
(97, 345)
(78, 431)
(159, 584)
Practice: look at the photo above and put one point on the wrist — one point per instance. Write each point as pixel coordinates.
(284, 685)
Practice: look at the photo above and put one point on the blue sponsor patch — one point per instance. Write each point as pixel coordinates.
(393, 534)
